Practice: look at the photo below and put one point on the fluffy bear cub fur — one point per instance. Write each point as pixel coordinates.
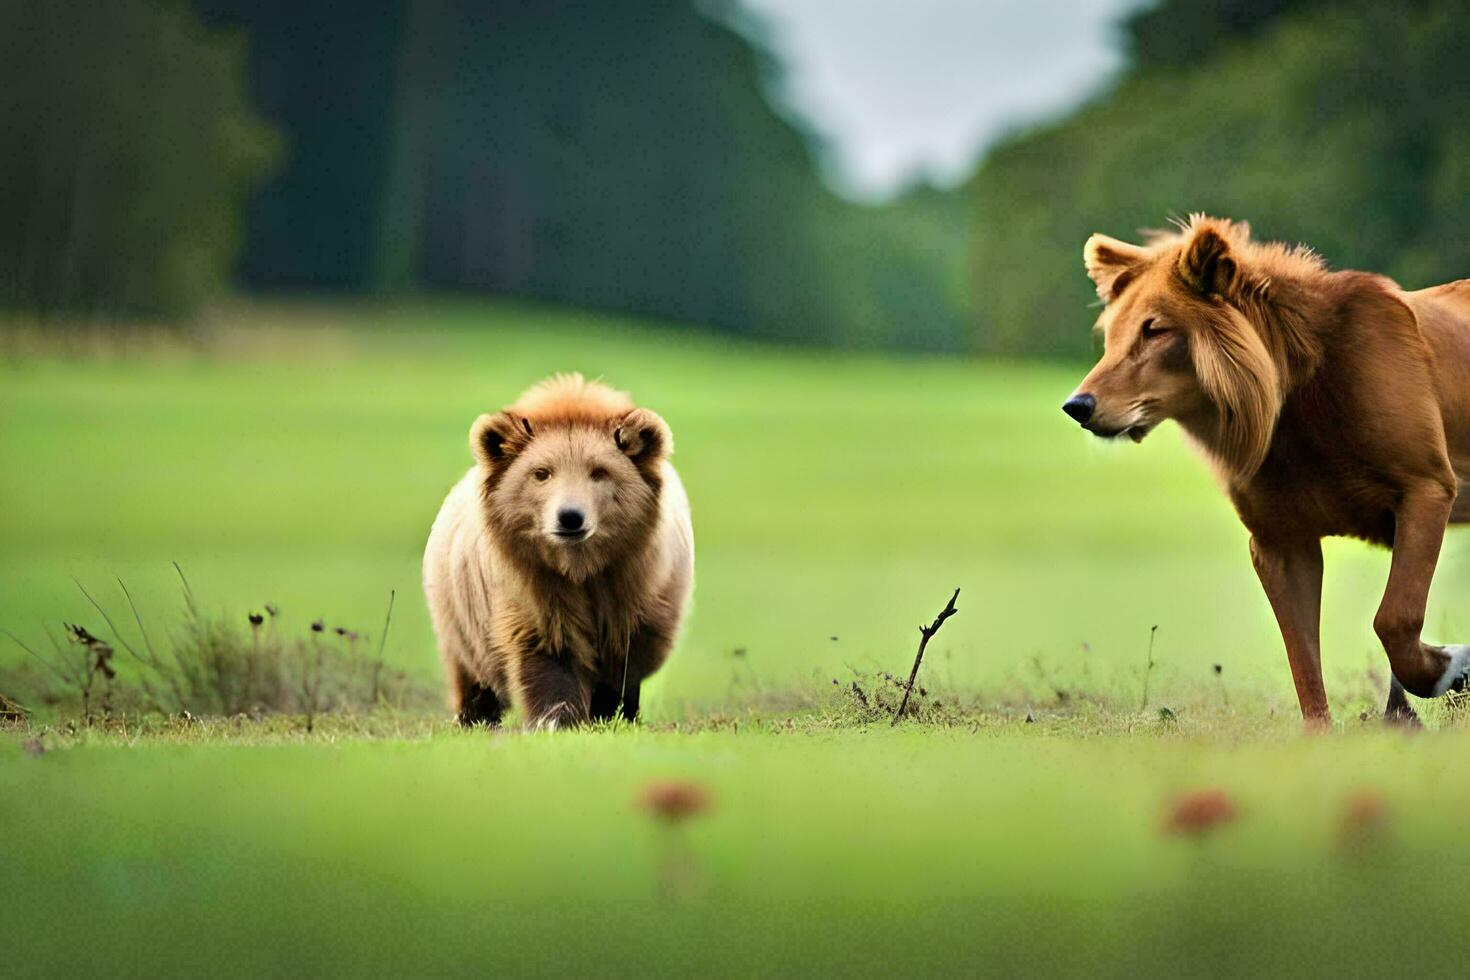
(558, 569)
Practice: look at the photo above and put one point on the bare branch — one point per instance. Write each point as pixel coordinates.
(925, 634)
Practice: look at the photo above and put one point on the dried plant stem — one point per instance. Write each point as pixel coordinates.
(188, 590)
(110, 624)
(147, 643)
(65, 675)
(925, 634)
(157, 665)
(1148, 669)
(382, 641)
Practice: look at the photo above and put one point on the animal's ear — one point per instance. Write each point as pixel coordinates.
(643, 436)
(1206, 264)
(496, 437)
(1109, 263)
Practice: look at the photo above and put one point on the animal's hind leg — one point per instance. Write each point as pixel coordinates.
(1419, 526)
(1399, 711)
(1291, 574)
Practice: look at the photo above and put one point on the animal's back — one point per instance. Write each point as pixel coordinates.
(1444, 318)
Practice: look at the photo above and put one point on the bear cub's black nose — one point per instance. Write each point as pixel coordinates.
(569, 519)
(1080, 407)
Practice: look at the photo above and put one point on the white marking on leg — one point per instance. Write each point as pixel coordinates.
(1459, 665)
(552, 718)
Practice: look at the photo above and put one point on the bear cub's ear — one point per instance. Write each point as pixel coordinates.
(494, 438)
(643, 436)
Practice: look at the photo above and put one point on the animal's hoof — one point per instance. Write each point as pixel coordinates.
(1399, 713)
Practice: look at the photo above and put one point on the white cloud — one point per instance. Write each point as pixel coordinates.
(904, 89)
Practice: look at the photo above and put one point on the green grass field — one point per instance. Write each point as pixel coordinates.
(837, 500)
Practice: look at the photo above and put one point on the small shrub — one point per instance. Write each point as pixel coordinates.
(216, 666)
(11, 713)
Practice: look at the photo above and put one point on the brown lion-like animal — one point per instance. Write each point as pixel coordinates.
(1330, 404)
(559, 567)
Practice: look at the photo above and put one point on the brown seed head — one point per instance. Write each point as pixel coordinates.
(79, 634)
(1363, 813)
(674, 800)
(1199, 812)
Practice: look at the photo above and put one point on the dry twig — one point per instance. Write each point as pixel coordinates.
(925, 632)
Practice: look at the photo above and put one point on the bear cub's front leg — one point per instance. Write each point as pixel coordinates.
(609, 701)
(553, 694)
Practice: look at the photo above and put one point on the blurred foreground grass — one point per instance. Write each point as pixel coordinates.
(1010, 849)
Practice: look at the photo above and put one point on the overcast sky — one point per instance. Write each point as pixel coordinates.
(905, 88)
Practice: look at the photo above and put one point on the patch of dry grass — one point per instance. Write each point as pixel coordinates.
(117, 674)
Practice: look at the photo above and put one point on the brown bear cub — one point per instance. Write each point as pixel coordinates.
(558, 569)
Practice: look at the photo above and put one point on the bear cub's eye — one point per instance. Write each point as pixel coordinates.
(598, 473)
(542, 474)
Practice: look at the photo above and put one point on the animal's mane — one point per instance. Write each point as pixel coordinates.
(1264, 260)
(1249, 372)
(570, 399)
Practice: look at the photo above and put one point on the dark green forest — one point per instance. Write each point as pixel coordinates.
(619, 155)
(1344, 125)
(127, 148)
(633, 155)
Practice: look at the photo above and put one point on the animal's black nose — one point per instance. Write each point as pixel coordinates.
(1080, 407)
(569, 519)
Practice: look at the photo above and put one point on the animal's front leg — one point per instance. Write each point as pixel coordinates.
(1291, 574)
(1419, 526)
(647, 650)
(478, 706)
(614, 699)
(552, 693)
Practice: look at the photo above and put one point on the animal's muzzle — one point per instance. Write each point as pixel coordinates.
(1080, 408)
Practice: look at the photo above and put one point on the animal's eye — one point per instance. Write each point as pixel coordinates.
(542, 474)
(1152, 328)
(598, 473)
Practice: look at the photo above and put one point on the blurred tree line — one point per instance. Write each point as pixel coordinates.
(127, 146)
(1344, 124)
(626, 155)
(617, 154)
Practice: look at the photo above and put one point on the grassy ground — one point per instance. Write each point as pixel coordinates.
(1012, 849)
(837, 502)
